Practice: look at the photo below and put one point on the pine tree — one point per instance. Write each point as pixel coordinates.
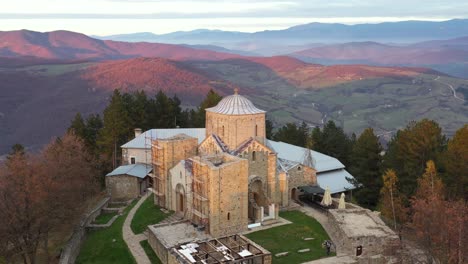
(455, 161)
(116, 128)
(269, 129)
(333, 141)
(78, 126)
(411, 148)
(211, 99)
(365, 166)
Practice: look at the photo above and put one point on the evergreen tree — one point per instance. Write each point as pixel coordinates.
(365, 166)
(211, 99)
(138, 110)
(411, 148)
(93, 126)
(333, 141)
(78, 126)
(292, 134)
(269, 129)
(116, 129)
(455, 161)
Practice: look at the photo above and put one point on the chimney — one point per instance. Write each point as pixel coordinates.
(137, 132)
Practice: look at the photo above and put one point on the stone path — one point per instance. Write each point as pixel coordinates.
(132, 240)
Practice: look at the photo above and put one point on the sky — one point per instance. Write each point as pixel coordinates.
(108, 17)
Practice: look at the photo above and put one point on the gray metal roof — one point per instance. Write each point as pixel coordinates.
(335, 180)
(235, 105)
(136, 170)
(143, 141)
(297, 154)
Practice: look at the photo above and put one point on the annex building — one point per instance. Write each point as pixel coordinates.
(226, 176)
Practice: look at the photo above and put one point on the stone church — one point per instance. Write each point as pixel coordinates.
(227, 176)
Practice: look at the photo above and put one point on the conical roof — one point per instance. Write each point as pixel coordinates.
(235, 105)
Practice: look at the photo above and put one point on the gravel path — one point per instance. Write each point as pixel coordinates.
(132, 240)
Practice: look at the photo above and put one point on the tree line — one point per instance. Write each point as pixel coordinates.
(419, 183)
(128, 111)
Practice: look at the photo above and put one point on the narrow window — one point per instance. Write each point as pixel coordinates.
(299, 168)
(132, 160)
(254, 156)
(256, 130)
(222, 131)
(229, 216)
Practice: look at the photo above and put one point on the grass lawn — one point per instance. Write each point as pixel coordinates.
(149, 252)
(107, 245)
(147, 214)
(103, 218)
(291, 238)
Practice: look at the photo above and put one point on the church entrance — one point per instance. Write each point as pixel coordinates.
(258, 201)
(180, 199)
(294, 195)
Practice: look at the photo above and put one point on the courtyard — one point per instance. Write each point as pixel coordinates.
(303, 233)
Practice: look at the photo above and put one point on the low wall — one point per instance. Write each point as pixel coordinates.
(72, 248)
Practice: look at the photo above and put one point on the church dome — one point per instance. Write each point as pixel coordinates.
(235, 105)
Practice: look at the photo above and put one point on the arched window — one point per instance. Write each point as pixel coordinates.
(229, 216)
(254, 156)
(299, 168)
(256, 130)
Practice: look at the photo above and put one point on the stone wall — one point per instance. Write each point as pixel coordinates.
(235, 129)
(228, 196)
(166, 154)
(361, 227)
(300, 175)
(140, 155)
(160, 250)
(122, 187)
(72, 249)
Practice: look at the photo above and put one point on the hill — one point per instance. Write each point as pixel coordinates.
(449, 56)
(72, 46)
(151, 75)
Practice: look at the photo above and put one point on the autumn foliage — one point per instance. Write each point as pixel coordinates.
(439, 224)
(39, 192)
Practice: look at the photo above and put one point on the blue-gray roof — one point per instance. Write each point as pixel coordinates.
(297, 154)
(143, 141)
(335, 180)
(136, 170)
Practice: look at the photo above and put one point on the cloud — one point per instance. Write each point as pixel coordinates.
(163, 16)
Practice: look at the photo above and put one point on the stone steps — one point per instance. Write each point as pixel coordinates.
(172, 218)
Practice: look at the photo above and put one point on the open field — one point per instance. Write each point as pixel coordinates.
(290, 238)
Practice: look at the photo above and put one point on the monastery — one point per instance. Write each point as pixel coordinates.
(223, 178)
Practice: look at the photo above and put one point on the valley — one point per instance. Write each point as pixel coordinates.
(32, 114)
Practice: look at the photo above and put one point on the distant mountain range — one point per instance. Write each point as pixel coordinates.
(47, 77)
(449, 56)
(388, 32)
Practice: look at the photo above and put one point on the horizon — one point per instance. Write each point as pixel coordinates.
(221, 30)
(113, 17)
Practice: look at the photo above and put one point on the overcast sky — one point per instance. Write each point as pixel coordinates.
(105, 17)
